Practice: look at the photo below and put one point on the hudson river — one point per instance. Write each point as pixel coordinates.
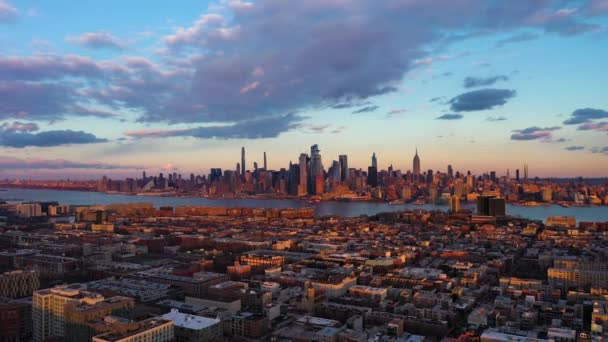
(344, 209)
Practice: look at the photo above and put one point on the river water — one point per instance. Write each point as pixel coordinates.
(343, 209)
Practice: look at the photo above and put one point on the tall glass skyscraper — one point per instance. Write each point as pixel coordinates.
(343, 167)
(316, 166)
(243, 161)
(303, 184)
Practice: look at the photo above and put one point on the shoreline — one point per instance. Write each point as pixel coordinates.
(310, 201)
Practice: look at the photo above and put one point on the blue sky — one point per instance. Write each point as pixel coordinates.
(110, 87)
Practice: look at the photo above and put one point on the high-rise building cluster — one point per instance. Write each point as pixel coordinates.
(309, 178)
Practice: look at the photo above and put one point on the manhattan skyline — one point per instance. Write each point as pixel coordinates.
(480, 85)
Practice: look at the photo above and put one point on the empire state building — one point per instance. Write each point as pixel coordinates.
(416, 165)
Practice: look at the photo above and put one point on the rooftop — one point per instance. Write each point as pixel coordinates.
(142, 326)
(190, 321)
(318, 321)
(181, 305)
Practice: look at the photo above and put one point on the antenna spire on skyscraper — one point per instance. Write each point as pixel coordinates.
(416, 166)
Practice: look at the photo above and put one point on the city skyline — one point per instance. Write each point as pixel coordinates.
(246, 163)
(184, 87)
(304, 171)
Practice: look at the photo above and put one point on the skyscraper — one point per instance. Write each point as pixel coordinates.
(316, 166)
(374, 161)
(372, 176)
(265, 165)
(243, 161)
(517, 175)
(525, 171)
(416, 168)
(216, 174)
(343, 167)
(334, 172)
(294, 179)
(450, 171)
(303, 165)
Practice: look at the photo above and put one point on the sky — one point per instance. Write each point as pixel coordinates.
(113, 87)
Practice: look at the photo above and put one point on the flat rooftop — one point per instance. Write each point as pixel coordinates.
(318, 321)
(190, 321)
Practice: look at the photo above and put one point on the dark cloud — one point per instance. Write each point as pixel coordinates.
(367, 109)
(437, 99)
(574, 148)
(314, 128)
(346, 105)
(396, 112)
(20, 139)
(564, 21)
(8, 163)
(338, 129)
(522, 37)
(46, 87)
(52, 87)
(549, 16)
(600, 150)
(573, 29)
(331, 52)
(585, 115)
(595, 126)
(83, 111)
(474, 82)
(7, 12)
(450, 117)
(19, 127)
(33, 101)
(482, 99)
(48, 68)
(444, 74)
(534, 133)
(496, 118)
(596, 7)
(252, 129)
(342, 105)
(97, 40)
